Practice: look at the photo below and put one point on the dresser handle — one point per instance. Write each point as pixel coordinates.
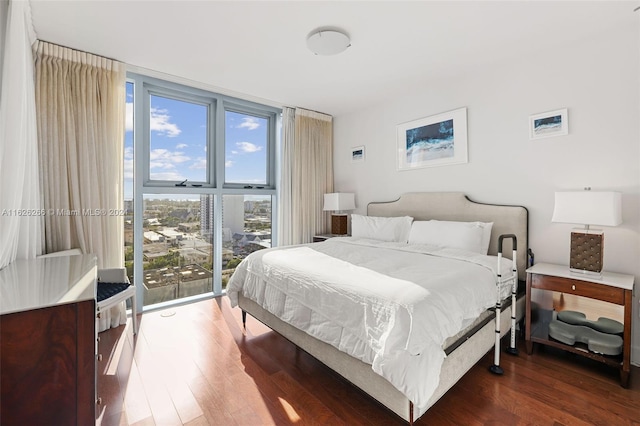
(573, 287)
(99, 357)
(99, 401)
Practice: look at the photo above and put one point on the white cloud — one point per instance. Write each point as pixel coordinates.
(160, 123)
(248, 147)
(161, 165)
(128, 169)
(250, 123)
(128, 163)
(165, 159)
(176, 176)
(228, 163)
(199, 163)
(128, 117)
(181, 146)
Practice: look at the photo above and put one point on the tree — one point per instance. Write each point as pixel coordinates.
(129, 266)
(233, 263)
(128, 254)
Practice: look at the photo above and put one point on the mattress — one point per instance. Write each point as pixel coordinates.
(391, 305)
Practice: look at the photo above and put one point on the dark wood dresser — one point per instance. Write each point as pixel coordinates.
(48, 341)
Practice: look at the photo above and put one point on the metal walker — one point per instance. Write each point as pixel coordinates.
(512, 350)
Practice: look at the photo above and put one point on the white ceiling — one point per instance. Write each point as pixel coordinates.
(258, 48)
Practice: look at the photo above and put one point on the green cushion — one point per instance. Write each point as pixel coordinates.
(604, 325)
(607, 344)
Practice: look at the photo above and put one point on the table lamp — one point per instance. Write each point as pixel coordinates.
(587, 208)
(339, 202)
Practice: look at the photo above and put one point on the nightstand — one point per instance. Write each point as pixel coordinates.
(613, 288)
(324, 237)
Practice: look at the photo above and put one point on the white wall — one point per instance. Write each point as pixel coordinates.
(597, 79)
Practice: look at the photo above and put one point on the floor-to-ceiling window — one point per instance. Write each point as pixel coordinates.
(199, 187)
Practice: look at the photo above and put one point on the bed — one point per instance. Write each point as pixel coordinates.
(407, 336)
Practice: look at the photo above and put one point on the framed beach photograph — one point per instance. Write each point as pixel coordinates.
(357, 154)
(433, 141)
(549, 124)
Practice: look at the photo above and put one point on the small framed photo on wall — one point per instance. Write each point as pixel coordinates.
(549, 124)
(357, 154)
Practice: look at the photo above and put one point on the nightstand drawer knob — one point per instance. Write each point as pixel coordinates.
(573, 287)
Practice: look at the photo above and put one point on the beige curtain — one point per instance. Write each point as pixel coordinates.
(80, 100)
(285, 225)
(307, 174)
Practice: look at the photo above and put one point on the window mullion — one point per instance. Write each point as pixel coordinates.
(217, 153)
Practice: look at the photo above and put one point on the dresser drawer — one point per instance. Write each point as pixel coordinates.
(578, 288)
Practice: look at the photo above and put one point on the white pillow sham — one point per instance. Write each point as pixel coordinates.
(471, 236)
(381, 228)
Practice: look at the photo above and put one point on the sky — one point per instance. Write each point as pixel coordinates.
(178, 148)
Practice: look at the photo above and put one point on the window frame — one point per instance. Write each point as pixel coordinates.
(217, 105)
(143, 88)
(270, 169)
(149, 90)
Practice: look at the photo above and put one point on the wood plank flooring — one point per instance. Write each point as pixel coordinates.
(193, 365)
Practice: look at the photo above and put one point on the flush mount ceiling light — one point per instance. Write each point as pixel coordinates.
(328, 42)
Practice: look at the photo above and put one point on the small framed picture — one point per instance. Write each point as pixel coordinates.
(357, 154)
(549, 124)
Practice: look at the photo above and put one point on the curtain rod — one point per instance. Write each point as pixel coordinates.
(312, 110)
(78, 50)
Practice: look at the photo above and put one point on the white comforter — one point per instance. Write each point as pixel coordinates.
(391, 305)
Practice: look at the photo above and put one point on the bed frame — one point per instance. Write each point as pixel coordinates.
(462, 354)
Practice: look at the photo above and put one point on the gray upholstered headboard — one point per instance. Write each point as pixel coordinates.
(457, 207)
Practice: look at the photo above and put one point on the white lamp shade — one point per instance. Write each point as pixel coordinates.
(339, 201)
(588, 208)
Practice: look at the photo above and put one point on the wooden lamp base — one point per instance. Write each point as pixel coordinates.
(587, 251)
(339, 224)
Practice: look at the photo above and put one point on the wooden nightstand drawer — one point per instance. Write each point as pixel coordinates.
(579, 288)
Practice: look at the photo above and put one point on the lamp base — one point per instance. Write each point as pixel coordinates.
(587, 252)
(339, 224)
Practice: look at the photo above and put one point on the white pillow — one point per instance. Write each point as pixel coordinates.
(486, 236)
(470, 236)
(381, 228)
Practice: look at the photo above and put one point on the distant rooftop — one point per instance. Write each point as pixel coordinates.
(164, 276)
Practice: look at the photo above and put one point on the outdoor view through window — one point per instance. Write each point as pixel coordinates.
(179, 229)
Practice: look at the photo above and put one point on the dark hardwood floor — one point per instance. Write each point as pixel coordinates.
(193, 365)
